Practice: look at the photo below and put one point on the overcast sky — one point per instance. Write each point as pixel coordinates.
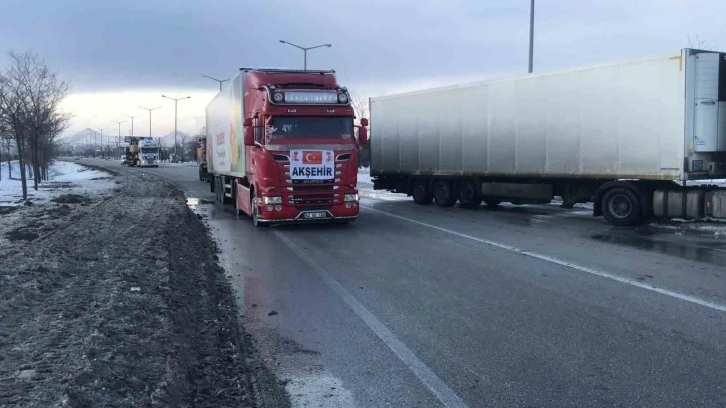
(124, 53)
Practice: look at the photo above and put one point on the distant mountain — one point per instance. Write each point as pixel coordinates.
(168, 140)
(83, 137)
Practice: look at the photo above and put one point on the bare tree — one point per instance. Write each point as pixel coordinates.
(30, 97)
(360, 107)
(362, 110)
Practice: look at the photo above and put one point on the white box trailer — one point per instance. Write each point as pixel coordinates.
(633, 126)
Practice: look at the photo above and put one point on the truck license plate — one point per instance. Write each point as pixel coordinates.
(311, 215)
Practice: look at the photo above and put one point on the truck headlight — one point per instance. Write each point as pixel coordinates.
(350, 197)
(278, 97)
(342, 98)
(272, 200)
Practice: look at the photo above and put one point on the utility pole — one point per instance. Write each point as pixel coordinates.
(218, 80)
(150, 109)
(176, 100)
(306, 49)
(531, 34)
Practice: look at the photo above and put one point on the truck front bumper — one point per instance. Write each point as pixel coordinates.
(289, 214)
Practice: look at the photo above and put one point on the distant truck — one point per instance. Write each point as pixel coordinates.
(281, 146)
(202, 157)
(142, 152)
(635, 137)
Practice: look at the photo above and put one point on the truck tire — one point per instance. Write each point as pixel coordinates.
(444, 194)
(422, 194)
(201, 176)
(621, 206)
(255, 212)
(491, 202)
(469, 197)
(212, 182)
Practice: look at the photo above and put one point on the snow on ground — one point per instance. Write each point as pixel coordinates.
(65, 178)
(364, 176)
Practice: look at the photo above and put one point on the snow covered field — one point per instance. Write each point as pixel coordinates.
(65, 178)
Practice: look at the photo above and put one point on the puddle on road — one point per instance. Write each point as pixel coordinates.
(709, 252)
(208, 209)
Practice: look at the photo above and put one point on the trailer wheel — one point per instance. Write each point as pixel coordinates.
(201, 176)
(444, 194)
(468, 196)
(491, 202)
(621, 206)
(212, 181)
(422, 194)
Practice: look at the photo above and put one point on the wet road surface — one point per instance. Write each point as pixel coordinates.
(517, 306)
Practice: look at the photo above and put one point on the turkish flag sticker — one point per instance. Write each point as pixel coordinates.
(310, 157)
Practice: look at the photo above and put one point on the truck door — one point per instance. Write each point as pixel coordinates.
(705, 130)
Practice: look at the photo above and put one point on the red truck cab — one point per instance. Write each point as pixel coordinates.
(300, 150)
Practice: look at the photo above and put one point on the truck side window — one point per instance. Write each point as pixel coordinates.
(258, 131)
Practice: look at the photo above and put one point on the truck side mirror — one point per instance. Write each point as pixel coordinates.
(364, 122)
(249, 136)
(249, 132)
(362, 135)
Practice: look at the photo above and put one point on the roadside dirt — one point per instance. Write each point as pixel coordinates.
(126, 307)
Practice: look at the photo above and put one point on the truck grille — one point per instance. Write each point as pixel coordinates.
(312, 199)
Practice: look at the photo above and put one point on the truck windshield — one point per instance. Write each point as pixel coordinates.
(299, 127)
(148, 150)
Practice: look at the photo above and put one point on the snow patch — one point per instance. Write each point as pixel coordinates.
(64, 177)
(364, 175)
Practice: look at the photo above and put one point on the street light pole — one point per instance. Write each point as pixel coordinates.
(101, 129)
(218, 80)
(531, 34)
(118, 141)
(150, 109)
(132, 122)
(176, 100)
(305, 51)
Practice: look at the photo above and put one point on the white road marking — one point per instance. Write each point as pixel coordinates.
(444, 394)
(632, 282)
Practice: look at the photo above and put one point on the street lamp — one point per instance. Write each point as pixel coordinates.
(218, 80)
(305, 51)
(132, 122)
(150, 109)
(176, 100)
(531, 34)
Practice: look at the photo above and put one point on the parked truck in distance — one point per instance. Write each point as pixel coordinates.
(142, 152)
(639, 138)
(202, 157)
(281, 146)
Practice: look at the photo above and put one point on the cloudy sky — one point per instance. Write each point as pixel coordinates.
(120, 54)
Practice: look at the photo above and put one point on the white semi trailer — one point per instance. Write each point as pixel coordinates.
(633, 137)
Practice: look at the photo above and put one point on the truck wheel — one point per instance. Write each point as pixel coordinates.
(468, 196)
(256, 212)
(212, 182)
(621, 206)
(444, 194)
(491, 202)
(422, 194)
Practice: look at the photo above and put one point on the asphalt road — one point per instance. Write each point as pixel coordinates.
(416, 306)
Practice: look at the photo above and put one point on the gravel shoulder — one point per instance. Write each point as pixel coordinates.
(125, 306)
